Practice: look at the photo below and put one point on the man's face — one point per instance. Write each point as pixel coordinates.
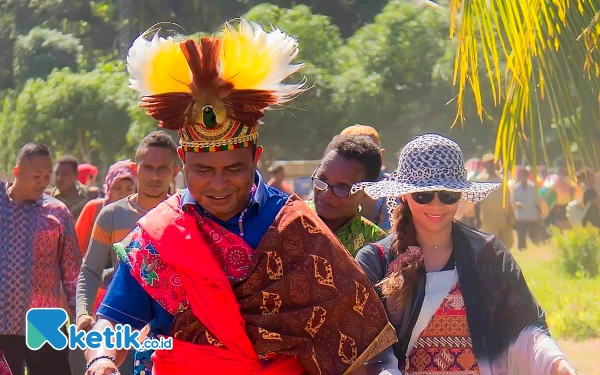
(523, 176)
(221, 181)
(33, 175)
(65, 176)
(340, 173)
(155, 168)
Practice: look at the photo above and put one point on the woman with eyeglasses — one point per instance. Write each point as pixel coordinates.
(347, 160)
(456, 296)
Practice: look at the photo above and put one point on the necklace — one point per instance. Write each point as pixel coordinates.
(243, 213)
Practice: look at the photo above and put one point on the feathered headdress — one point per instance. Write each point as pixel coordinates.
(214, 92)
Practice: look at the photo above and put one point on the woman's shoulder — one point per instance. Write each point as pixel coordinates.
(374, 258)
(481, 247)
(379, 252)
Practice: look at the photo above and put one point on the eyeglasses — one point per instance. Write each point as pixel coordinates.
(338, 191)
(446, 197)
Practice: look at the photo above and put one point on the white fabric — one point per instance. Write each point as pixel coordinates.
(533, 353)
(437, 287)
(392, 371)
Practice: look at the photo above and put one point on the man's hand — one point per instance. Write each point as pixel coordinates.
(103, 367)
(85, 323)
(562, 367)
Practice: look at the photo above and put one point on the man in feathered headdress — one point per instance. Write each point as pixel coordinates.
(245, 279)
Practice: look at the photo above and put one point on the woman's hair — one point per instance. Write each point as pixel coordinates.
(399, 286)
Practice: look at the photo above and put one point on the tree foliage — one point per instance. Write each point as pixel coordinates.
(41, 50)
(85, 114)
(386, 63)
(550, 85)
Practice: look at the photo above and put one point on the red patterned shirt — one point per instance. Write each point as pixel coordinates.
(39, 253)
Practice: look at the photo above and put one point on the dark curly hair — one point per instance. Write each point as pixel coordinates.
(360, 148)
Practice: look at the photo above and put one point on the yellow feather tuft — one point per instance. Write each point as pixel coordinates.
(158, 66)
(254, 59)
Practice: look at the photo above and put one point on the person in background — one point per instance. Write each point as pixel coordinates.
(527, 212)
(587, 178)
(156, 166)
(543, 175)
(277, 180)
(347, 160)
(68, 190)
(455, 295)
(39, 255)
(119, 182)
(495, 214)
(475, 167)
(87, 175)
(565, 193)
(466, 209)
(374, 210)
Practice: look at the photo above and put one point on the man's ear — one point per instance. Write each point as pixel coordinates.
(258, 154)
(176, 170)
(16, 171)
(382, 152)
(181, 154)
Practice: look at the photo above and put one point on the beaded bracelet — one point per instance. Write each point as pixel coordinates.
(99, 358)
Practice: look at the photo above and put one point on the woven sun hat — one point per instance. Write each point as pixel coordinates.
(429, 162)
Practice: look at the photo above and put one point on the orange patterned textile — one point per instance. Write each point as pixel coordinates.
(445, 346)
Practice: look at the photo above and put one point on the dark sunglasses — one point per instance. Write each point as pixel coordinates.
(338, 191)
(446, 197)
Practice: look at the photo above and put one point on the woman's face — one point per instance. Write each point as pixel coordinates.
(120, 189)
(434, 216)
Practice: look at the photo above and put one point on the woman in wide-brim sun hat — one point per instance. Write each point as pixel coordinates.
(456, 296)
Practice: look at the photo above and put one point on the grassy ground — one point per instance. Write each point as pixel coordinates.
(572, 305)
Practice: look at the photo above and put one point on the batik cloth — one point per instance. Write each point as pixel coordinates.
(334, 322)
(39, 254)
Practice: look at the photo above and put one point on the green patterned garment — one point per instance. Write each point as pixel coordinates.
(357, 232)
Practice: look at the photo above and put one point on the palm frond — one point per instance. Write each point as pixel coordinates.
(541, 61)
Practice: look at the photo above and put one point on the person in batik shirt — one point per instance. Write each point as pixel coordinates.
(39, 254)
(455, 295)
(348, 159)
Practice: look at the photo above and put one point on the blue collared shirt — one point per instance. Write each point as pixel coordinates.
(126, 302)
